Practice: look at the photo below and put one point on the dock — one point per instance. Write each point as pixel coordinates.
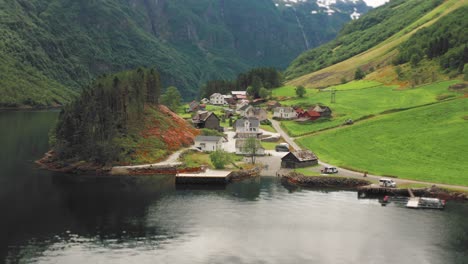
(206, 177)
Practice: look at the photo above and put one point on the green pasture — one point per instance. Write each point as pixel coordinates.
(359, 103)
(429, 143)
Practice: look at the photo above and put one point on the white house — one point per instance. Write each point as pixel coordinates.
(209, 143)
(217, 99)
(284, 113)
(247, 127)
(242, 150)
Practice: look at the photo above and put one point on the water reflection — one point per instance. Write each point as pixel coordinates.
(54, 218)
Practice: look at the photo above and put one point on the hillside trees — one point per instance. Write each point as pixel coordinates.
(171, 98)
(445, 41)
(257, 78)
(109, 108)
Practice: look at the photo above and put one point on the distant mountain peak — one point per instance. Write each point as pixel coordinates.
(353, 8)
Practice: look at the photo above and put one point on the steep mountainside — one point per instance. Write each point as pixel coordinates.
(50, 47)
(388, 36)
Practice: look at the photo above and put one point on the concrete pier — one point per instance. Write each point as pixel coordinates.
(206, 177)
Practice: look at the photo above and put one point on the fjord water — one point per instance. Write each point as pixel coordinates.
(55, 218)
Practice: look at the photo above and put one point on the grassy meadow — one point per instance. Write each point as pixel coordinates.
(354, 101)
(427, 143)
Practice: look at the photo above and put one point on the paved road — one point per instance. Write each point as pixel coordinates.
(354, 174)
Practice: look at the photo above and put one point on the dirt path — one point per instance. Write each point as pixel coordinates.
(171, 161)
(354, 174)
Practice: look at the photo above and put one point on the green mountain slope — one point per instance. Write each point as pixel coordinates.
(49, 47)
(377, 41)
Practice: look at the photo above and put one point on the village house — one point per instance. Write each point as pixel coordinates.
(284, 113)
(242, 150)
(299, 159)
(217, 99)
(194, 106)
(272, 105)
(241, 108)
(247, 127)
(206, 119)
(257, 112)
(209, 143)
(238, 95)
(324, 111)
(308, 115)
(205, 101)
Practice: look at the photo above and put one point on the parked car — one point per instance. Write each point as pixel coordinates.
(387, 183)
(282, 148)
(329, 170)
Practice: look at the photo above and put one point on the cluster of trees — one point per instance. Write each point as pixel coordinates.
(445, 41)
(111, 107)
(253, 81)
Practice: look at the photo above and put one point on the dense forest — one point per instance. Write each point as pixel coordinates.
(257, 78)
(445, 41)
(51, 48)
(117, 119)
(361, 35)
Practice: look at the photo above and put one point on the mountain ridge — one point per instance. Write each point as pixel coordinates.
(66, 44)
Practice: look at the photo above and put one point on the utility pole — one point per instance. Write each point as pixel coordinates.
(333, 95)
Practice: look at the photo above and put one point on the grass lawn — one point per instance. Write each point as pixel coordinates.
(429, 143)
(359, 103)
(268, 128)
(307, 171)
(193, 159)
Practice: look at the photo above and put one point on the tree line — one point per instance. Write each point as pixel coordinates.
(256, 79)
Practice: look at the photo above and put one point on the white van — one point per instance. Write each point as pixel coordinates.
(387, 183)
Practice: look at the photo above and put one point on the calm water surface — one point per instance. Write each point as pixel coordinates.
(53, 218)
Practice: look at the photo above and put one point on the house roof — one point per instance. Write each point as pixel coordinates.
(239, 92)
(256, 110)
(321, 109)
(202, 116)
(208, 138)
(244, 107)
(299, 110)
(216, 94)
(240, 143)
(254, 122)
(313, 113)
(302, 155)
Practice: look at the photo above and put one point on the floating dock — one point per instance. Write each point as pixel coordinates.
(206, 177)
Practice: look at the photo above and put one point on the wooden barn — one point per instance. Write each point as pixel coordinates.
(299, 159)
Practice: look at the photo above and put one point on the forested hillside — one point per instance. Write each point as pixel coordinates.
(52, 47)
(407, 43)
(361, 35)
(117, 120)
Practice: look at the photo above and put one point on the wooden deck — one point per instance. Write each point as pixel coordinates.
(206, 177)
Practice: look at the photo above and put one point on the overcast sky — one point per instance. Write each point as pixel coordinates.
(375, 3)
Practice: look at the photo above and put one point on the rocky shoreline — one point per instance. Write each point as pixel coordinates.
(297, 179)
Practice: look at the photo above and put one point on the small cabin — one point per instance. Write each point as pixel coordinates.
(299, 159)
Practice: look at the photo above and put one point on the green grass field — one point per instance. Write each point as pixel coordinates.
(358, 103)
(427, 143)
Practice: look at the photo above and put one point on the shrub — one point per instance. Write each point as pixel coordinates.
(220, 158)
